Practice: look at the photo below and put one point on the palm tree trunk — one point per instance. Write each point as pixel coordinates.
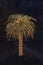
(20, 44)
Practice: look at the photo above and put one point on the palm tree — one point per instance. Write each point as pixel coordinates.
(20, 26)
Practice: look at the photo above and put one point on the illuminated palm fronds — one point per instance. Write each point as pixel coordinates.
(18, 23)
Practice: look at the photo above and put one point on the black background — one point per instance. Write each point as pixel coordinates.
(30, 7)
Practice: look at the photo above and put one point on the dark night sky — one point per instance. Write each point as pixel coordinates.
(30, 7)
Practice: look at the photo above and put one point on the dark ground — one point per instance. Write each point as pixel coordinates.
(9, 56)
(15, 60)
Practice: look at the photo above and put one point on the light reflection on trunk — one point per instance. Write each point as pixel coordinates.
(20, 44)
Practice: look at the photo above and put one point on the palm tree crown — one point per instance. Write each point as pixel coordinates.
(18, 23)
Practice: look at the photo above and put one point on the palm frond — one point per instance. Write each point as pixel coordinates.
(20, 24)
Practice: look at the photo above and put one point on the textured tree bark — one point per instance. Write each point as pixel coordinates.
(20, 44)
